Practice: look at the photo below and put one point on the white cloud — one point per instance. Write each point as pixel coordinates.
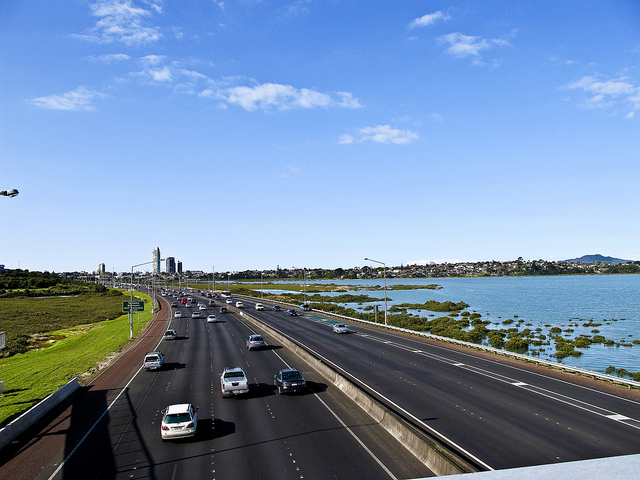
(112, 57)
(462, 46)
(428, 19)
(380, 134)
(608, 92)
(284, 97)
(79, 99)
(160, 75)
(121, 21)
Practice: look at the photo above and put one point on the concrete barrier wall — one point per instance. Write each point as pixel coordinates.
(434, 455)
(497, 351)
(35, 413)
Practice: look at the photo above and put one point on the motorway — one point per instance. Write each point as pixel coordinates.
(500, 414)
(318, 434)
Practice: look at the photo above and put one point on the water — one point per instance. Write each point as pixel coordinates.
(567, 302)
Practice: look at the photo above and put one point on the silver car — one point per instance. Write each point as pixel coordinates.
(340, 328)
(255, 342)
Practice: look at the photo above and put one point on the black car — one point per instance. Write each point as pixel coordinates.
(276, 308)
(288, 381)
(292, 312)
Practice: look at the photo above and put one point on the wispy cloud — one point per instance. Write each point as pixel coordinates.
(606, 93)
(429, 19)
(112, 57)
(380, 134)
(463, 46)
(79, 99)
(274, 96)
(122, 21)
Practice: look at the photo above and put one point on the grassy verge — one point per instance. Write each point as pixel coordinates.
(30, 377)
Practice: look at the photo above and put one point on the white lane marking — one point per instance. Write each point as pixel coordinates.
(344, 425)
(618, 417)
(395, 405)
(594, 409)
(62, 464)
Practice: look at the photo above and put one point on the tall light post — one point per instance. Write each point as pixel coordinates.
(131, 304)
(304, 279)
(213, 277)
(261, 285)
(384, 273)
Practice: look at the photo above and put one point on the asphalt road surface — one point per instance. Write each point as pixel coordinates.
(500, 414)
(316, 434)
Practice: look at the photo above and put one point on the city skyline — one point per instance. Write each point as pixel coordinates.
(315, 134)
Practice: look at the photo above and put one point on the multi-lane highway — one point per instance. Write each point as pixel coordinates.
(500, 414)
(317, 434)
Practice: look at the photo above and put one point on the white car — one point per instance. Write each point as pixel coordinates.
(177, 314)
(340, 328)
(239, 305)
(179, 421)
(196, 314)
(233, 381)
(259, 306)
(202, 307)
(228, 300)
(212, 318)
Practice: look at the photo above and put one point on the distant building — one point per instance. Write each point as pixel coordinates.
(179, 266)
(155, 258)
(101, 269)
(171, 265)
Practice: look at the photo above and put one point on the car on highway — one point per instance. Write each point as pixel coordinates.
(305, 307)
(340, 328)
(223, 309)
(212, 318)
(188, 305)
(255, 342)
(174, 304)
(179, 421)
(170, 334)
(276, 308)
(233, 381)
(212, 303)
(289, 380)
(259, 306)
(153, 361)
(229, 300)
(292, 312)
(196, 314)
(202, 307)
(239, 304)
(177, 314)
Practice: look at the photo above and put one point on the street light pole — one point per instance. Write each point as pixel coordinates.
(131, 303)
(384, 273)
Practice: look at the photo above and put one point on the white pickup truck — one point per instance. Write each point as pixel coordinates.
(153, 361)
(233, 381)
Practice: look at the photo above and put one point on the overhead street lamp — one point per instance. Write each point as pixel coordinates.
(131, 304)
(384, 273)
(9, 193)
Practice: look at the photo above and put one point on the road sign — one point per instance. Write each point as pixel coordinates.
(3, 340)
(135, 306)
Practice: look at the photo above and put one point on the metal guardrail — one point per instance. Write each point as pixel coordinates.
(497, 351)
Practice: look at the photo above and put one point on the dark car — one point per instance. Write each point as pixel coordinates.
(292, 312)
(276, 308)
(289, 381)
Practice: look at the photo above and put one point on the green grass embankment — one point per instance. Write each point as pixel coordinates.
(76, 351)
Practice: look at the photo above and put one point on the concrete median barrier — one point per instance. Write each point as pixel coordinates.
(9, 433)
(435, 455)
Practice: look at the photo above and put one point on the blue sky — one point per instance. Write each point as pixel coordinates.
(251, 134)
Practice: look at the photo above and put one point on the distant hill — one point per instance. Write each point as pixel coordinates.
(597, 258)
